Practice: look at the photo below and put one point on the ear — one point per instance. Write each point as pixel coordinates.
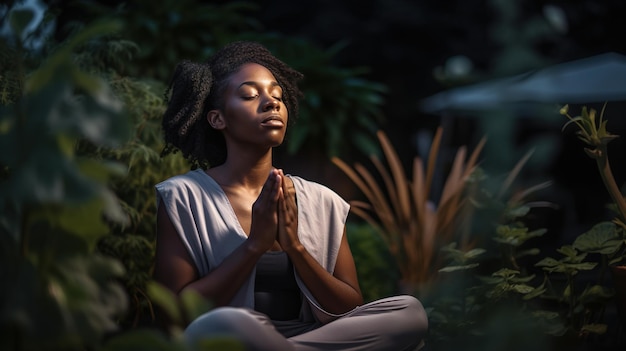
(216, 119)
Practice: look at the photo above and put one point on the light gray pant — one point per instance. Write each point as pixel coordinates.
(389, 324)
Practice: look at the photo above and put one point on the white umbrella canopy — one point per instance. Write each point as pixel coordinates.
(594, 79)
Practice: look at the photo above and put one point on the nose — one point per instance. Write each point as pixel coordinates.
(271, 104)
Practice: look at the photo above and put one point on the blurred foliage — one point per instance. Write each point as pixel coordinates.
(565, 309)
(340, 111)
(54, 204)
(133, 242)
(376, 269)
(65, 199)
(166, 34)
(483, 297)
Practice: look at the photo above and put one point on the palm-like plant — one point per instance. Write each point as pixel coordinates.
(412, 226)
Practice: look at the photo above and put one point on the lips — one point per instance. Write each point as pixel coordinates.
(273, 121)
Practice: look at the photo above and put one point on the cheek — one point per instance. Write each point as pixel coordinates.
(286, 111)
(237, 111)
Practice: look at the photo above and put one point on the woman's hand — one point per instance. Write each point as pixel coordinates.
(265, 217)
(287, 215)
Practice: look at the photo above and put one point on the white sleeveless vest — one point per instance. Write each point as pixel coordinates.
(206, 222)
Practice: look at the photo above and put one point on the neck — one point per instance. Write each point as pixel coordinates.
(245, 169)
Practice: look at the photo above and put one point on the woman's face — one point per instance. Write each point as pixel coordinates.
(253, 111)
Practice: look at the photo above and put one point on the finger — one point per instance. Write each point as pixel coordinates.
(289, 193)
(270, 188)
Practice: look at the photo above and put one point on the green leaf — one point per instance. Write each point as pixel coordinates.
(594, 328)
(165, 299)
(548, 262)
(596, 294)
(458, 268)
(584, 266)
(523, 288)
(567, 250)
(474, 253)
(194, 304)
(603, 238)
(536, 292)
(518, 211)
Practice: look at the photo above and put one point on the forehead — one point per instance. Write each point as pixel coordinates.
(252, 72)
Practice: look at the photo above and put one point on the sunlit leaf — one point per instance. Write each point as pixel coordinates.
(458, 268)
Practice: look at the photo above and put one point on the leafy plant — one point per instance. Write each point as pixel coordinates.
(340, 111)
(57, 209)
(583, 309)
(133, 242)
(58, 293)
(482, 311)
(166, 34)
(592, 131)
(576, 308)
(480, 287)
(350, 104)
(413, 228)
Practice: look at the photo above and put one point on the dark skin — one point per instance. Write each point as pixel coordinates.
(253, 120)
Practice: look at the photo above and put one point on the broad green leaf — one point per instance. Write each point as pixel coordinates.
(548, 262)
(536, 292)
(603, 238)
(522, 288)
(567, 250)
(596, 294)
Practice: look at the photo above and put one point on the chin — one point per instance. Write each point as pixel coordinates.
(277, 144)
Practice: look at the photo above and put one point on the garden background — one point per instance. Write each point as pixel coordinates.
(479, 213)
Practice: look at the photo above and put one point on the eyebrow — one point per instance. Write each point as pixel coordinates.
(254, 84)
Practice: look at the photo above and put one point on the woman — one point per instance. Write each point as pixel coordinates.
(268, 249)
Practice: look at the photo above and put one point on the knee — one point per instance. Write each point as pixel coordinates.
(416, 309)
(414, 321)
(222, 321)
(413, 314)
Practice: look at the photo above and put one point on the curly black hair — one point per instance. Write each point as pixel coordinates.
(196, 88)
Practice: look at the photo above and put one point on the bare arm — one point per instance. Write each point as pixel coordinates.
(338, 292)
(174, 268)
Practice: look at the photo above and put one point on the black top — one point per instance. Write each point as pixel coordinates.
(276, 292)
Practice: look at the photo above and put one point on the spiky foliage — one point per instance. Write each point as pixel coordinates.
(412, 225)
